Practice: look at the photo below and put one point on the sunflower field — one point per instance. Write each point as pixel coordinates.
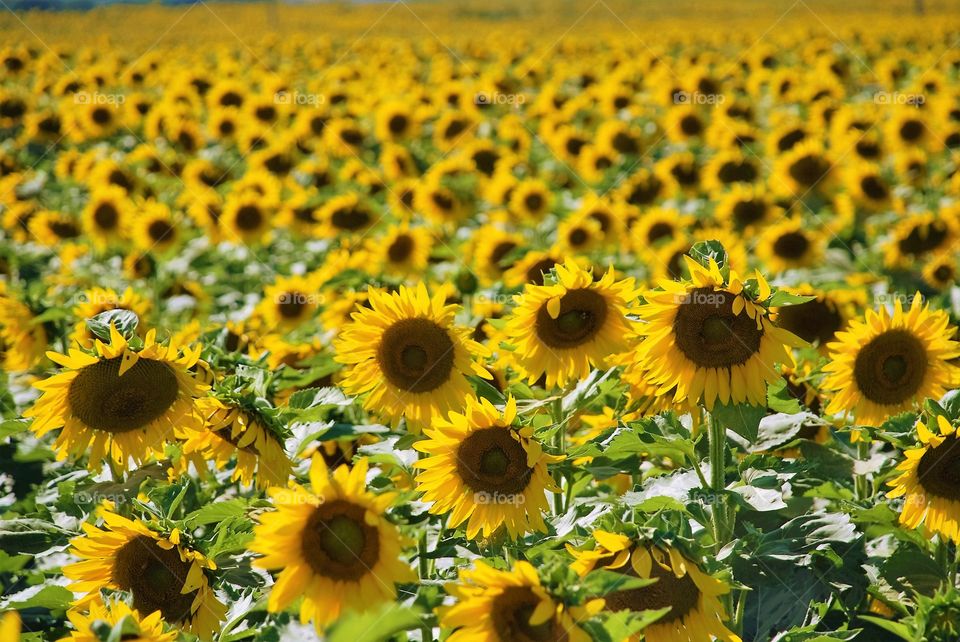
(560, 321)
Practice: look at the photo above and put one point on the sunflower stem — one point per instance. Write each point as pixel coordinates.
(556, 411)
(861, 483)
(738, 614)
(422, 561)
(717, 440)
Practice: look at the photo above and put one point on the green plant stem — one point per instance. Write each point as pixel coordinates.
(422, 561)
(559, 444)
(861, 483)
(717, 440)
(738, 614)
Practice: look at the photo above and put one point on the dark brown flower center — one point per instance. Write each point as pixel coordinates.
(103, 400)
(809, 170)
(351, 218)
(792, 245)
(923, 238)
(249, 218)
(155, 577)
(401, 248)
(338, 543)
(679, 593)
(538, 269)
(815, 320)
(106, 216)
(939, 469)
(416, 355)
(511, 618)
(582, 314)
(708, 332)
(491, 461)
(890, 369)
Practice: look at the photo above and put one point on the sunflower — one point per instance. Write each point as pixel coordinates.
(564, 329)
(155, 229)
(97, 300)
(120, 403)
(509, 606)
(531, 199)
(161, 573)
(484, 471)
(883, 365)
(789, 244)
(289, 303)
(105, 216)
(234, 431)
(746, 208)
(707, 339)
(695, 614)
(658, 227)
(407, 354)
(818, 320)
(113, 612)
(928, 481)
(10, 626)
(23, 341)
(578, 234)
(492, 252)
(403, 251)
(941, 271)
(246, 218)
(336, 548)
(918, 236)
(807, 167)
(53, 228)
(532, 267)
(347, 214)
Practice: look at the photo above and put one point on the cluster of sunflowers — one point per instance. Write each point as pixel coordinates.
(590, 334)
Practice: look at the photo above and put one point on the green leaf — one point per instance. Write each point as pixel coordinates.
(375, 625)
(703, 251)
(898, 629)
(29, 535)
(54, 598)
(742, 419)
(318, 398)
(779, 398)
(125, 321)
(13, 427)
(783, 298)
(216, 512)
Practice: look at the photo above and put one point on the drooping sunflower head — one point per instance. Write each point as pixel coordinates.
(695, 612)
(485, 471)
(408, 356)
(929, 482)
(565, 328)
(508, 605)
(709, 338)
(886, 364)
(113, 612)
(119, 403)
(160, 573)
(333, 543)
(234, 432)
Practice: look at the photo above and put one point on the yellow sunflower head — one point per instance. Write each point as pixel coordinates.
(509, 605)
(484, 471)
(886, 364)
(335, 547)
(564, 329)
(113, 612)
(692, 595)
(234, 432)
(408, 356)
(160, 573)
(709, 339)
(119, 403)
(928, 483)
